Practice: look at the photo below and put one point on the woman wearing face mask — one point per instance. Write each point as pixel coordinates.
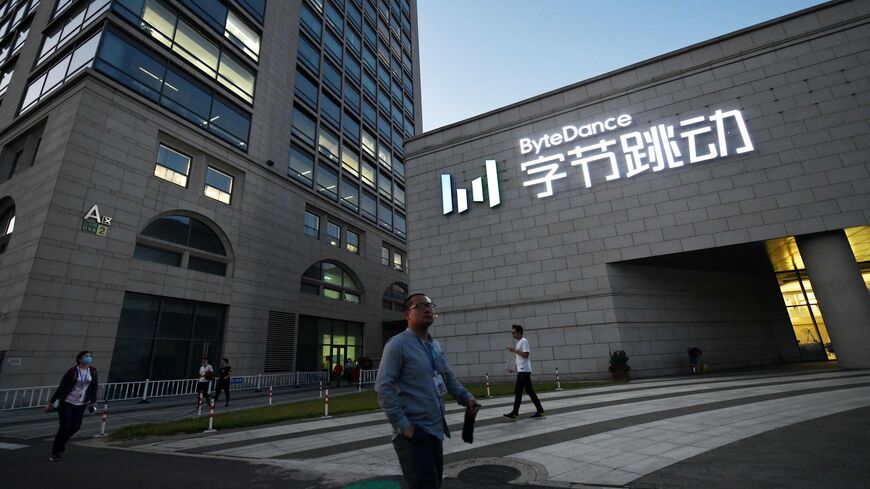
(77, 390)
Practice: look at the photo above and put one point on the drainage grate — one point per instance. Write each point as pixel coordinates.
(489, 475)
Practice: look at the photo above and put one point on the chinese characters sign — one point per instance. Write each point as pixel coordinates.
(661, 146)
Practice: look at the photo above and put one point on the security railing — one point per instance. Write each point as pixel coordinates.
(30, 397)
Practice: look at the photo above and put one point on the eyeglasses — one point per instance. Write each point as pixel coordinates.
(423, 305)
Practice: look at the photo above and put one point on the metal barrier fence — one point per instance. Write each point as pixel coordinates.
(30, 397)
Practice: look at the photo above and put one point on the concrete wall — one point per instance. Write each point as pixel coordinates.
(802, 85)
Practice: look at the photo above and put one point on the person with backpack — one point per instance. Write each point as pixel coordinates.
(76, 392)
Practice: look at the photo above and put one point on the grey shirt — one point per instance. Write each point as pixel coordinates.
(405, 385)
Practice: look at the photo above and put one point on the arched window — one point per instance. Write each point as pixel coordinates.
(331, 280)
(394, 297)
(7, 221)
(183, 241)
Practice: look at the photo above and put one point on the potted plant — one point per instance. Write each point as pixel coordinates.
(619, 367)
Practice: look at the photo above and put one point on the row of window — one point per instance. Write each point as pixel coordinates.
(13, 13)
(7, 222)
(163, 23)
(58, 36)
(392, 257)
(311, 228)
(226, 23)
(345, 190)
(174, 166)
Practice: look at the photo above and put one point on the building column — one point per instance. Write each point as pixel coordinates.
(843, 298)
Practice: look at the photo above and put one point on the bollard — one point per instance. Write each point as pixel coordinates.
(145, 392)
(210, 418)
(326, 405)
(199, 405)
(558, 384)
(270, 395)
(259, 379)
(321, 389)
(103, 420)
(488, 395)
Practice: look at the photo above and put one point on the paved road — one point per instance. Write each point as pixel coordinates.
(790, 429)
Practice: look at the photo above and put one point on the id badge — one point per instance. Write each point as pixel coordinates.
(439, 384)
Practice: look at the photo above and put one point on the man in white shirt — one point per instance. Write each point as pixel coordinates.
(524, 375)
(206, 374)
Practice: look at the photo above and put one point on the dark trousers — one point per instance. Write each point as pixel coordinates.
(222, 386)
(202, 388)
(421, 459)
(70, 421)
(524, 381)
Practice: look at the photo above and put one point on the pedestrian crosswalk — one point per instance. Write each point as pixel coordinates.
(606, 436)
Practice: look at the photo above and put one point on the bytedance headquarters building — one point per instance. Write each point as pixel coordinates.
(717, 196)
(188, 178)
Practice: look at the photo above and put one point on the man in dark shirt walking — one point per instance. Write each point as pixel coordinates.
(223, 381)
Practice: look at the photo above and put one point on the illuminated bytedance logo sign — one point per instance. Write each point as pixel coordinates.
(477, 187)
(661, 146)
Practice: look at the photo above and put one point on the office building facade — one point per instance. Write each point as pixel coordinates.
(189, 178)
(715, 197)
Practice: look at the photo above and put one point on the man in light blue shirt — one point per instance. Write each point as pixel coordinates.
(412, 379)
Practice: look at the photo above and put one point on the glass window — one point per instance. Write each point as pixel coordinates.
(350, 127)
(398, 141)
(257, 8)
(332, 76)
(194, 47)
(354, 42)
(333, 234)
(398, 168)
(236, 77)
(368, 174)
(352, 242)
(185, 231)
(384, 156)
(309, 54)
(384, 128)
(312, 225)
(243, 36)
(330, 109)
(334, 17)
(156, 255)
(399, 225)
(370, 114)
(409, 128)
(354, 15)
(310, 22)
(186, 99)
(398, 261)
(369, 60)
(303, 126)
(383, 75)
(61, 71)
(385, 185)
(327, 182)
(349, 194)
(229, 124)
(385, 256)
(386, 216)
(159, 20)
(368, 206)
(368, 143)
(399, 194)
(301, 165)
(130, 66)
(206, 266)
(172, 166)
(369, 85)
(369, 34)
(349, 161)
(213, 12)
(384, 101)
(306, 89)
(5, 78)
(328, 144)
(218, 185)
(351, 96)
(59, 36)
(333, 45)
(332, 281)
(351, 67)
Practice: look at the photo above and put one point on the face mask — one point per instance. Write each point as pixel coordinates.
(87, 360)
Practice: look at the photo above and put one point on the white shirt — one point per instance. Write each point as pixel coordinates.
(523, 364)
(76, 396)
(202, 371)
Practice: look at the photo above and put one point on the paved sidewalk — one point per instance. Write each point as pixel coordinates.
(794, 427)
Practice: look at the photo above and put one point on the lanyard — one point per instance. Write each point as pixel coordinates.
(83, 378)
(431, 354)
